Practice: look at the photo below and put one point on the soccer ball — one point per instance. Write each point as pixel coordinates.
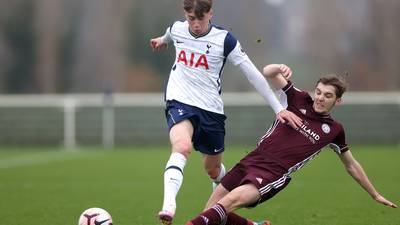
(95, 216)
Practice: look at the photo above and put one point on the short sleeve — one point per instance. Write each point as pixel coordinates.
(290, 95)
(339, 143)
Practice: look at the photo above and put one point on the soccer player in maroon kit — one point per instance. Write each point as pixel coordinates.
(283, 150)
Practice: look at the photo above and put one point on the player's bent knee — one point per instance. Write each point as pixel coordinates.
(230, 202)
(182, 147)
(213, 172)
(241, 197)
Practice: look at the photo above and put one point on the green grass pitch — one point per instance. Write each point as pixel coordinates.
(51, 186)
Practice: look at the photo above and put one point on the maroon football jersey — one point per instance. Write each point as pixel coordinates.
(283, 149)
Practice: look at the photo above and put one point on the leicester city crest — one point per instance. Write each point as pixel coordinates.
(325, 128)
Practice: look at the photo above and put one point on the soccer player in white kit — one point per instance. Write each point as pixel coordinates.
(194, 108)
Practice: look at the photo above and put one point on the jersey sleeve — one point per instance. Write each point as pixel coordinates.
(289, 95)
(260, 84)
(339, 143)
(233, 50)
(166, 38)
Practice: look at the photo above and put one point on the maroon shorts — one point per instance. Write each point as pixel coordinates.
(269, 184)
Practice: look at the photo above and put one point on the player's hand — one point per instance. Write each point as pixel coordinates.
(384, 201)
(286, 116)
(285, 71)
(157, 45)
(272, 70)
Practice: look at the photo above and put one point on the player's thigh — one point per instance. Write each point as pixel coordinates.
(219, 192)
(241, 196)
(180, 136)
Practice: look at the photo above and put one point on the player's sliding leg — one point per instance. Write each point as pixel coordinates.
(222, 212)
(217, 215)
(232, 218)
(235, 219)
(264, 222)
(213, 216)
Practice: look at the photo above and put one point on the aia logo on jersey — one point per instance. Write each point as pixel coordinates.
(190, 61)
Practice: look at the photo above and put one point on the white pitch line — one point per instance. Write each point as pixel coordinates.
(38, 158)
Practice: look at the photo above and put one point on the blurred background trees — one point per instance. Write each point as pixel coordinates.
(64, 46)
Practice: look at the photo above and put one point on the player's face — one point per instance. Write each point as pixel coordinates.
(198, 26)
(325, 98)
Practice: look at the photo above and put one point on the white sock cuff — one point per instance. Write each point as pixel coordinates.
(176, 160)
(221, 174)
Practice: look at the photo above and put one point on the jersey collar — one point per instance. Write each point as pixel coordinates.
(323, 116)
(202, 35)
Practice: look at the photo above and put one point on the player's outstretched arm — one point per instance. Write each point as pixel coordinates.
(261, 85)
(278, 75)
(161, 43)
(357, 172)
(157, 44)
(384, 201)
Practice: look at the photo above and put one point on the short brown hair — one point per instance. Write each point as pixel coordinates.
(338, 81)
(199, 7)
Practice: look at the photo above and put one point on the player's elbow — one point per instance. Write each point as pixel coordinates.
(353, 170)
(267, 73)
(350, 169)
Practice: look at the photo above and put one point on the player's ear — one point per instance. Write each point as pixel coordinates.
(338, 101)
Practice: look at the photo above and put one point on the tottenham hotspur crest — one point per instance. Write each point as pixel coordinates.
(208, 48)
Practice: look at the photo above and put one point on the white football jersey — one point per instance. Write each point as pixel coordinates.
(195, 77)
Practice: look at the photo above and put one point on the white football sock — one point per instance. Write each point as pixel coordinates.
(173, 178)
(221, 174)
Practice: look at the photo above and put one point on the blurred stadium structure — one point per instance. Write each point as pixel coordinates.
(88, 46)
(137, 119)
(61, 47)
